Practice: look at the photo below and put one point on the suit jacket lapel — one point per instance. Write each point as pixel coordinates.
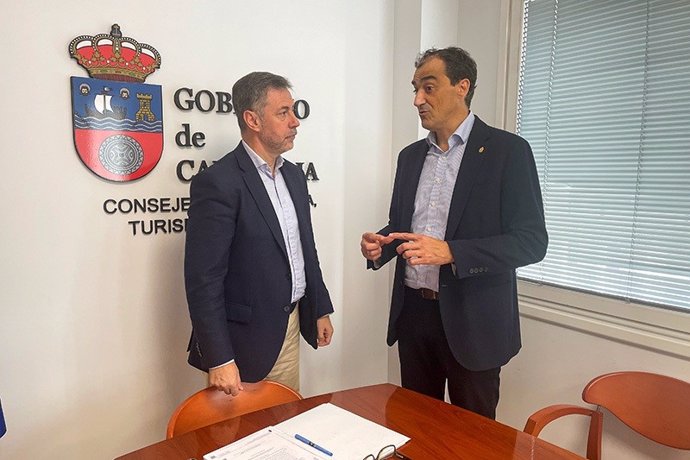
(258, 191)
(472, 161)
(411, 176)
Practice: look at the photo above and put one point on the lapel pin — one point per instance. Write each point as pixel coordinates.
(481, 149)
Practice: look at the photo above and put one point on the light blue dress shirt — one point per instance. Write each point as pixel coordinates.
(432, 201)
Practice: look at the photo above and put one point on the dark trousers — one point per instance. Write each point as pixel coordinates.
(426, 362)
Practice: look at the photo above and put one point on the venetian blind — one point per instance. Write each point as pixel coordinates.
(604, 100)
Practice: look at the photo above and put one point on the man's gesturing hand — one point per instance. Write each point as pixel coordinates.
(372, 243)
(423, 249)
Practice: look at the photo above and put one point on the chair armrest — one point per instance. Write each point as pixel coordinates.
(538, 420)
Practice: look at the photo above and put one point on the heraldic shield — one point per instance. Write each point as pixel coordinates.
(118, 127)
(117, 119)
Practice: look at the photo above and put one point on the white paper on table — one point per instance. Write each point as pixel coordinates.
(347, 435)
(267, 444)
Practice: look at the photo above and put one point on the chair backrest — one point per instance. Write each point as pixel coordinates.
(656, 406)
(209, 406)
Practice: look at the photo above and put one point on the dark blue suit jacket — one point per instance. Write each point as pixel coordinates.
(495, 224)
(237, 273)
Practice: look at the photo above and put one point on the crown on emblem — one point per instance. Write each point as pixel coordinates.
(114, 57)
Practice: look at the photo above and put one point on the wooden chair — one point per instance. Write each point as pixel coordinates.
(655, 406)
(209, 405)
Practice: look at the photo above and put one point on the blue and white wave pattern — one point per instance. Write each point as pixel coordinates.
(118, 125)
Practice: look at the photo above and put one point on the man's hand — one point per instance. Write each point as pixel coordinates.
(372, 243)
(423, 250)
(324, 330)
(226, 378)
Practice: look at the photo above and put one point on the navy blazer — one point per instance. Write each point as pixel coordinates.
(237, 272)
(495, 224)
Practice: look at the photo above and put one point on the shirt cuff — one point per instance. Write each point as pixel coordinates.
(221, 365)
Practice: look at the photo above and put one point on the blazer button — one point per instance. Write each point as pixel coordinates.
(286, 309)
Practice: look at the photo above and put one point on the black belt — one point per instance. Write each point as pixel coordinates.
(424, 293)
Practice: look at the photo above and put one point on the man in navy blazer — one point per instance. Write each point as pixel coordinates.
(466, 211)
(252, 273)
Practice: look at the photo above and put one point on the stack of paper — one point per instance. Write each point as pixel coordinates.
(333, 433)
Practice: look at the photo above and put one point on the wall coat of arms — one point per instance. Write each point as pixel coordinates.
(117, 119)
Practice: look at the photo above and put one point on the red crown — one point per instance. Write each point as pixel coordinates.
(114, 57)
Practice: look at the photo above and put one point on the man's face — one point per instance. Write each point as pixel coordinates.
(277, 122)
(441, 105)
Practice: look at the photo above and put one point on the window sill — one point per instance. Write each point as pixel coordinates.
(666, 331)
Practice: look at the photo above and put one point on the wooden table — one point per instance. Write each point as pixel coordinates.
(437, 430)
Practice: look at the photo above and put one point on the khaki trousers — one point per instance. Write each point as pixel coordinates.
(286, 368)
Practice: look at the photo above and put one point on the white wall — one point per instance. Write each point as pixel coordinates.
(94, 320)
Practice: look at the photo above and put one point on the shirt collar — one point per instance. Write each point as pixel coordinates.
(258, 161)
(459, 136)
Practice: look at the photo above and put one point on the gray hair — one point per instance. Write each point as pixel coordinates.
(250, 91)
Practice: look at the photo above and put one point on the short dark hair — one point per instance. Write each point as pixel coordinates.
(459, 65)
(250, 91)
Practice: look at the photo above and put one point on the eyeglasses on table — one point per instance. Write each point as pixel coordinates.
(387, 452)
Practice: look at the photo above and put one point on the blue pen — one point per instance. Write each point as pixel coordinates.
(299, 437)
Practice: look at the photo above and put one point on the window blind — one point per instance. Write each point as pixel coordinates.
(604, 100)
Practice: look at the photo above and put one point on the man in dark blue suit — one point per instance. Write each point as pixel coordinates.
(466, 212)
(252, 273)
